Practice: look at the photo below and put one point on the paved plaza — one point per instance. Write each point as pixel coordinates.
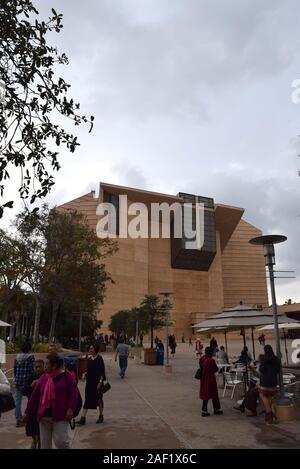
(149, 409)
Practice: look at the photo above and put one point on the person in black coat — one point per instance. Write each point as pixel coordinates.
(95, 376)
(269, 369)
(32, 426)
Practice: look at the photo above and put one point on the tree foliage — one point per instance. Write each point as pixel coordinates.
(32, 101)
(59, 259)
(151, 315)
(154, 313)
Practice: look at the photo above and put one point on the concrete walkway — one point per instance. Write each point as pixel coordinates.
(149, 409)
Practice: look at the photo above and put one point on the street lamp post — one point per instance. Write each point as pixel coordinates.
(80, 314)
(268, 242)
(166, 296)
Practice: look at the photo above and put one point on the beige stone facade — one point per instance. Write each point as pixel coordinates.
(144, 266)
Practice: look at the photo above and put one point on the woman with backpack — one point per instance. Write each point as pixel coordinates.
(54, 401)
(95, 376)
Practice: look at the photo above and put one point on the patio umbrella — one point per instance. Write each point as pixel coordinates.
(242, 317)
(5, 324)
(284, 325)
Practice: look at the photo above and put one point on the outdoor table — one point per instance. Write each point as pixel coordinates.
(224, 366)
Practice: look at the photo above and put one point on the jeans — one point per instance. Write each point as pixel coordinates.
(18, 409)
(56, 430)
(123, 365)
(216, 405)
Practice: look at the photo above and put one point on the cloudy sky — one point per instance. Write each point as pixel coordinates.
(191, 96)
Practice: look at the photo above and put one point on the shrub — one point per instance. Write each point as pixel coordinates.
(12, 347)
(40, 348)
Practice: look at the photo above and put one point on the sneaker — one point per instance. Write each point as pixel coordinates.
(205, 414)
(82, 421)
(100, 419)
(19, 424)
(218, 412)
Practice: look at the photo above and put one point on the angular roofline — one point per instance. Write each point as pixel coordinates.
(115, 187)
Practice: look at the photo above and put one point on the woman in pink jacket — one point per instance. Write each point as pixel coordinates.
(54, 401)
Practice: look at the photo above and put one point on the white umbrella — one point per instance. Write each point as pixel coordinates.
(242, 317)
(5, 324)
(284, 325)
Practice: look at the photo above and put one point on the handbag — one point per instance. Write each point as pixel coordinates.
(7, 403)
(198, 374)
(105, 387)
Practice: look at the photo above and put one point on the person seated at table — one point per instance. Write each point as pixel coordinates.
(249, 403)
(222, 356)
(244, 358)
(248, 353)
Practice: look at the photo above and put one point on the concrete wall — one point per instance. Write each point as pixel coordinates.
(143, 266)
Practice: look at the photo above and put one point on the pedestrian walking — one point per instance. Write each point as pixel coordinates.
(173, 345)
(23, 369)
(208, 383)
(54, 400)
(199, 347)
(213, 345)
(141, 340)
(268, 378)
(190, 341)
(95, 376)
(32, 426)
(122, 351)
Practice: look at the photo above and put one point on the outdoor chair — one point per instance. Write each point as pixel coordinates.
(288, 378)
(231, 381)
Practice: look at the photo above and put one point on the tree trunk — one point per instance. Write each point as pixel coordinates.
(18, 326)
(37, 317)
(4, 318)
(152, 331)
(53, 320)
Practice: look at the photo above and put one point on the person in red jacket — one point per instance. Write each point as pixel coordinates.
(208, 383)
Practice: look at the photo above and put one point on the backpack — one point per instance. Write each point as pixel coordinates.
(78, 407)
